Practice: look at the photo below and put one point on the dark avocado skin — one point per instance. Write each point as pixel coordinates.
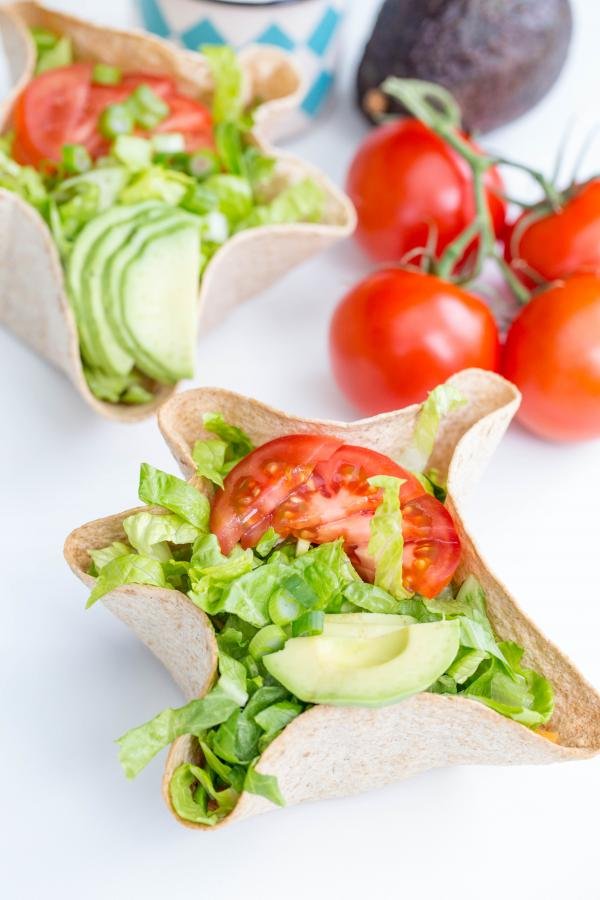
(498, 57)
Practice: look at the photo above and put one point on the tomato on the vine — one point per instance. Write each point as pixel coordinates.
(315, 487)
(547, 245)
(399, 333)
(409, 185)
(552, 354)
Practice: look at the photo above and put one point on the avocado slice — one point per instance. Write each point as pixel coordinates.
(108, 350)
(364, 625)
(366, 671)
(77, 259)
(112, 278)
(158, 293)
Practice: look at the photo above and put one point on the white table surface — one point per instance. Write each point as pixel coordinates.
(70, 824)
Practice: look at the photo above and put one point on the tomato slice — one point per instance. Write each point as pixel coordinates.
(63, 106)
(261, 482)
(315, 488)
(189, 118)
(48, 111)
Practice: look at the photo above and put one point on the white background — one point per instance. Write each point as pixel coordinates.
(73, 680)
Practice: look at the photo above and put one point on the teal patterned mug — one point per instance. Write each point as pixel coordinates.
(307, 29)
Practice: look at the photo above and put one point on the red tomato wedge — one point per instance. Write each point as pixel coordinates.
(49, 110)
(315, 488)
(64, 105)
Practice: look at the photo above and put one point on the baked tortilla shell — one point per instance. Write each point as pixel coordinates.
(33, 300)
(332, 751)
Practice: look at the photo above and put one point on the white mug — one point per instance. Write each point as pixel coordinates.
(307, 29)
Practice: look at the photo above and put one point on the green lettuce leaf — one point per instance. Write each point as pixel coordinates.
(129, 569)
(441, 401)
(372, 598)
(209, 457)
(172, 493)
(513, 690)
(300, 202)
(151, 533)
(104, 555)
(386, 544)
(264, 785)
(238, 442)
(116, 388)
(227, 76)
(140, 745)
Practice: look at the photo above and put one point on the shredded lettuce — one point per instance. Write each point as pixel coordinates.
(127, 569)
(215, 457)
(150, 534)
(228, 82)
(442, 400)
(174, 494)
(386, 544)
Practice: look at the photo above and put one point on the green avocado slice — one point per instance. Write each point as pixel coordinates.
(158, 295)
(112, 276)
(364, 625)
(110, 352)
(366, 671)
(77, 259)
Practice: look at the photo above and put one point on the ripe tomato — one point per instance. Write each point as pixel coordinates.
(63, 106)
(48, 111)
(552, 354)
(559, 243)
(315, 488)
(399, 333)
(405, 181)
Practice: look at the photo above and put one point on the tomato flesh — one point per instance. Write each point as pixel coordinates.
(552, 355)
(408, 185)
(64, 105)
(399, 333)
(558, 244)
(314, 487)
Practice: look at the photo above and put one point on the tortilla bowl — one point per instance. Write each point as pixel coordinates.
(331, 751)
(33, 299)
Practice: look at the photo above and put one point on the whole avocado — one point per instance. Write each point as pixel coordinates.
(498, 57)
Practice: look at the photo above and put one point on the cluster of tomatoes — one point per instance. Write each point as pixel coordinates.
(403, 330)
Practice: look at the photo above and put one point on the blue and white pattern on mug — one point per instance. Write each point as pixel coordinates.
(307, 29)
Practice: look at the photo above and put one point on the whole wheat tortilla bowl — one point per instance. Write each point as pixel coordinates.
(330, 751)
(33, 301)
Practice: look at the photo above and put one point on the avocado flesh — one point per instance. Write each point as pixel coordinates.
(112, 286)
(77, 260)
(363, 625)
(366, 671)
(112, 357)
(158, 294)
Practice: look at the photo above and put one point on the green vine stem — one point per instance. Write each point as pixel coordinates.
(436, 108)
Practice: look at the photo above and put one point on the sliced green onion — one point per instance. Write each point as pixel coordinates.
(283, 608)
(116, 119)
(147, 106)
(268, 640)
(301, 590)
(104, 74)
(204, 163)
(309, 624)
(43, 39)
(75, 159)
(59, 54)
(133, 152)
(168, 143)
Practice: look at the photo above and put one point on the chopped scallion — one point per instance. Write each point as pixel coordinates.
(116, 119)
(104, 74)
(309, 624)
